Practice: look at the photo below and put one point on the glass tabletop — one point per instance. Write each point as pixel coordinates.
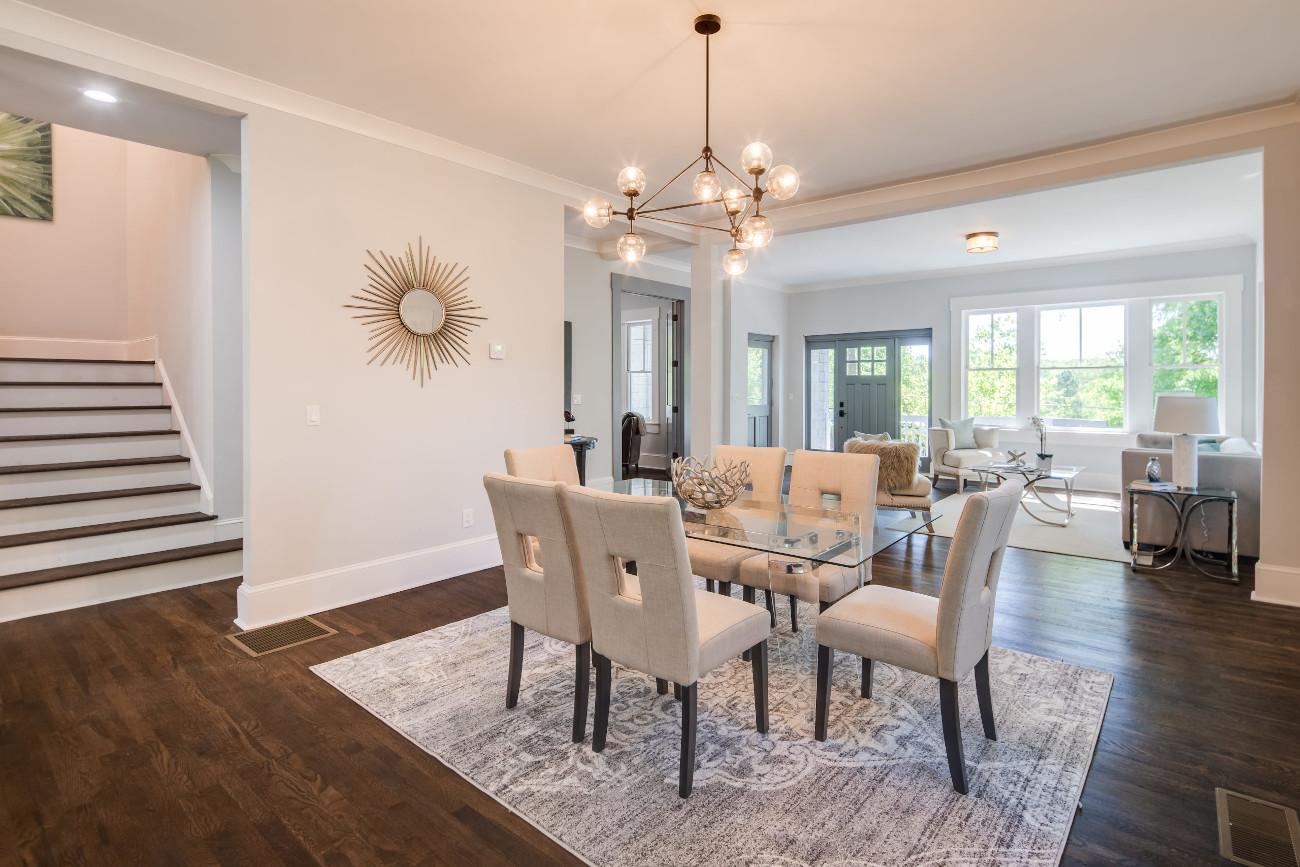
(795, 532)
(1028, 471)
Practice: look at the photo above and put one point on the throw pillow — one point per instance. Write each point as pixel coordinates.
(1236, 446)
(872, 438)
(963, 432)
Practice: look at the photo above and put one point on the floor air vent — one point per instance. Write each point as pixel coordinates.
(1255, 832)
(278, 636)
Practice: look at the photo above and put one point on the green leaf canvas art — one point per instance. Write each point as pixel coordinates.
(26, 176)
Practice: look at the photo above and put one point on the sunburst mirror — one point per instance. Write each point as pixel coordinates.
(418, 310)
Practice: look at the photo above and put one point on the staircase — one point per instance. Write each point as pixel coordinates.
(96, 500)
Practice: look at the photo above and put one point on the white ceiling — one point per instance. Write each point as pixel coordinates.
(1199, 204)
(852, 92)
(49, 90)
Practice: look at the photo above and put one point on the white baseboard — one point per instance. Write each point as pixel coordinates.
(287, 598)
(1276, 585)
(76, 347)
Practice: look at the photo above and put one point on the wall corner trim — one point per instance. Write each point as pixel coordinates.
(298, 595)
(1276, 585)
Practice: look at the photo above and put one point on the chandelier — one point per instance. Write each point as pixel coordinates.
(742, 205)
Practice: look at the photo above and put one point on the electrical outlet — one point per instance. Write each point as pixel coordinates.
(497, 351)
(467, 518)
(313, 415)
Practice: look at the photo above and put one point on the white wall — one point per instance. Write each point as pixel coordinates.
(227, 342)
(752, 309)
(67, 278)
(587, 304)
(926, 304)
(371, 500)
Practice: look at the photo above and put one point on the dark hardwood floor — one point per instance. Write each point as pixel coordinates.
(134, 733)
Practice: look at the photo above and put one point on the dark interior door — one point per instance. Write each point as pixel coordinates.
(866, 387)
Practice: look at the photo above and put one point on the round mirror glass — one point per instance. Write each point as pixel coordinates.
(421, 311)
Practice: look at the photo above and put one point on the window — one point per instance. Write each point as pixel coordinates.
(1081, 366)
(866, 361)
(821, 398)
(756, 374)
(639, 344)
(1185, 347)
(991, 362)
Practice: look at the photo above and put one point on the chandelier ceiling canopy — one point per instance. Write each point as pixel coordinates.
(742, 205)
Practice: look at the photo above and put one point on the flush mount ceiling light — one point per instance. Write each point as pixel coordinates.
(748, 227)
(982, 242)
(99, 95)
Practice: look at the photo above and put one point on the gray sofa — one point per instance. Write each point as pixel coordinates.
(1240, 472)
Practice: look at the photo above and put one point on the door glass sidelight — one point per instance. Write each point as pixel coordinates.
(914, 392)
(758, 390)
(822, 418)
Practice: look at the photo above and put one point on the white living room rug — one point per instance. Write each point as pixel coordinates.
(1094, 531)
(877, 792)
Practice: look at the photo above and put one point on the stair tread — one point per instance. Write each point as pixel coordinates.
(88, 496)
(34, 438)
(74, 360)
(117, 564)
(13, 540)
(136, 407)
(97, 383)
(93, 465)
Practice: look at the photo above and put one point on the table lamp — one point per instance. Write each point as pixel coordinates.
(1187, 417)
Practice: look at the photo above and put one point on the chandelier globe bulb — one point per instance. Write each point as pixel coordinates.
(597, 212)
(706, 187)
(735, 262)
(783, 182)
(756, 158)
(631, 181)
(631, 248)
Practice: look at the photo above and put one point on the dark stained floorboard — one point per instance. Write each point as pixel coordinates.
(134, 733)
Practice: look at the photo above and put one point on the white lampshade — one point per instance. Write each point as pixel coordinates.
(1187, 414)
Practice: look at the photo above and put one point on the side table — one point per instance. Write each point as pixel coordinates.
(1185, 503)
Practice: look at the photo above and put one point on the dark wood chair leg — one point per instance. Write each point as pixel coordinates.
(794, 614)
(822, 606)
(747, 595)
(951, 713)
(516, 664)
(661, 686)
(985, 693)
(724, 587)
(758, 660)
(677, 691)
(825, 665)
(686, 765)
(771, 606)
(867, 666)
(710, 585)
(604, 675)
(581, 683)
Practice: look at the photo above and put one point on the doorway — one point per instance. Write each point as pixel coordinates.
(873, 382)
(758, 388)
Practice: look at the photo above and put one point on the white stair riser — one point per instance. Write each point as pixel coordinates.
(20, 423)
(52, 371)
(60, 515)
(21, 485)
(77, 592)
(98, 448)
(48, 555)
(76, 395)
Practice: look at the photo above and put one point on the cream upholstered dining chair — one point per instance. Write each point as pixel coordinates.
(944, 637)
(851, 477)
(660, 625)
(547, 463)
(714, 561)
(545, 590)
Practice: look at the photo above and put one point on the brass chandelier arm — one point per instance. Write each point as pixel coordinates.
(730, 172)
(689, 166)
(640, 212)
(688, 223)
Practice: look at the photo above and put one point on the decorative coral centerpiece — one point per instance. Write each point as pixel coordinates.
(709, 486)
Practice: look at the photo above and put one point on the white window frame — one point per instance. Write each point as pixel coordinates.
(653, 417)
(1137, 298)
(1001, 421)
(1125, 366)
(1219, 365)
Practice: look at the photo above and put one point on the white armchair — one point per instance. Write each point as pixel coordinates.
(947, 460)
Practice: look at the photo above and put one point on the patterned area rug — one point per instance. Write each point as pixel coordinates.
(877, 792)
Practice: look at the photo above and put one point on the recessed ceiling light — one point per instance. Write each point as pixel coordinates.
(99, 95)
(982, 242)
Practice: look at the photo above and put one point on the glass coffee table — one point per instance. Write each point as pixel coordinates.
(1043, 499)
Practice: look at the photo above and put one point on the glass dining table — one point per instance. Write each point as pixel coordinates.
(805, 547)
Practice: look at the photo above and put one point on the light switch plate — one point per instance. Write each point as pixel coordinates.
(496, 350)
(577, 400)
(313, 415)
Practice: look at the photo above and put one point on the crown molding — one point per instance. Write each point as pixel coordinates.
(1024, 265)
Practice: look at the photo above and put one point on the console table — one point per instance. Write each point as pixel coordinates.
(1186, 503)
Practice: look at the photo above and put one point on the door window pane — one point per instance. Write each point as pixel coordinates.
(914, 394)
(757, 376)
